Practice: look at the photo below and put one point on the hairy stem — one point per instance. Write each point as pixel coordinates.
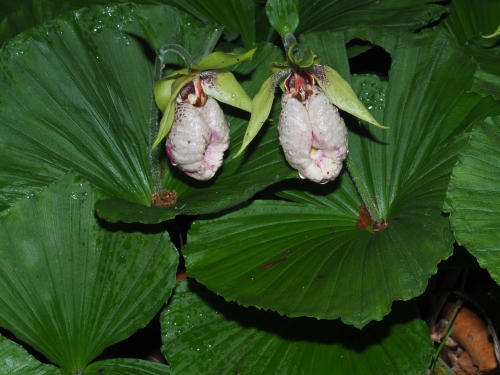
(288, 41)
(363, 191)
(154, 155)
(181, 51)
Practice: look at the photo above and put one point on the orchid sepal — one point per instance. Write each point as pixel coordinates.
(262, 103)
(167, 100)
(340, 93)
(223, 86)
(219, 60)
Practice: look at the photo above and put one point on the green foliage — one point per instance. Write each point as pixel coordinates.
(472, 197)
(283, 15)
(16, 361)
(70, 287)
(85, 261)
(226, 339)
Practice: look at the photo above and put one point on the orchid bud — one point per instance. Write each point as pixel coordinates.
(199, 134)
(311, 132)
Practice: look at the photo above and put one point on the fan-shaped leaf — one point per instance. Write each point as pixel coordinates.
(14, 360)
(324, 15)
(485, 55)
(308, 259)
(468, 22)
(237, 16)
(28, 15)
(127, 366)
(473, 198)
(70, 288)
(283, 15)
(468, 19)
(203, 334)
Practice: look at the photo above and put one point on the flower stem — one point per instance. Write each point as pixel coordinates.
(363, 191)
(181, 51)
(154, 155)
(288, 41)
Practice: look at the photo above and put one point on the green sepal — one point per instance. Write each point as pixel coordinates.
(307, 59)
(277, 66)
(163, 92)
(340, 93)
(497, 32)
(222, 85)
(169, 109)
(292, 51)
(163, 88)
(219, 60)
(262, 102)
(179, 73)
(299, 59)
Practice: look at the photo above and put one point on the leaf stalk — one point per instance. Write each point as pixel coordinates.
(363, 191)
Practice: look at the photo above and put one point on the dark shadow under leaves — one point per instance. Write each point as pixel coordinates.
(330, 332)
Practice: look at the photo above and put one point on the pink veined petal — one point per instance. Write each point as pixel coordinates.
(214, 118)
(329, 130)
(188, 138)
(198, 139)
(324, 167)
(295, 132)
(313, 136)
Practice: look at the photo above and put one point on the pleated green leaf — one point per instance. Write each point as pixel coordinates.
(237, 16)
(324, 15)
(487, 78)
(76, 94)
(468, 22)
(127, 366)
(11, 7)
(308, 258)
(283, 15)
(204, 334)
(473, 197)
(68, 286)
(468, 19)
(27, 15)
(14, 360)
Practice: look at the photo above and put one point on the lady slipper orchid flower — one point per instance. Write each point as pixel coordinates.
(199, 134)
(196, 129)
(311, 132)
